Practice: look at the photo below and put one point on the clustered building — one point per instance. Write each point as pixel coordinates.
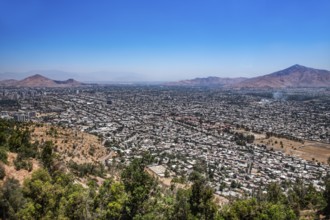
(185, 128)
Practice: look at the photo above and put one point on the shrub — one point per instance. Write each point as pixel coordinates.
(21, 163)
(3, 155)
(2, 171)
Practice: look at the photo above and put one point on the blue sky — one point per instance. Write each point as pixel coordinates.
(164, 39)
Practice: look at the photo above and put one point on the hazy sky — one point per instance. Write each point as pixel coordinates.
(164, 39)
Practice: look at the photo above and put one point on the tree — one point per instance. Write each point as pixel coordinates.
(294, 201)
(182, 205)
(233, 184)
(158, 206)
(22, 163)
(2, 171)
(251, 209)
(313, 199)
(201, 199)
(42, 197)
(167, 173)
(3, 137)
(47, 155)
(11, 199)
(138, 184)
(110, 200)
(3, 155)
(274, 193)
(326, 195)
(74, 203)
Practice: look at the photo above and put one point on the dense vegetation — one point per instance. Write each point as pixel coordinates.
(52, 193)
(15, 137)
(242, 139)
(137, 196)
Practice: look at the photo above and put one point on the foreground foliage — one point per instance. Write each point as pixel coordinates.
(51, 193)
(137, 196)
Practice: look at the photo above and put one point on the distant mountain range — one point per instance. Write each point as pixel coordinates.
(209, 81)
(99, 76)
(39, 81)
(51, 74)
(294, 76)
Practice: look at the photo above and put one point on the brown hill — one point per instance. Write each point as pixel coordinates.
(40, 81)
(294, 76)
(71, 82)
(8, 82)
(36, 81)
(72, 145)
(209, 81)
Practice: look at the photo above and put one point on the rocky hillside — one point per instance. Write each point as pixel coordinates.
(209, 81)
(40, 81)
(294, 76)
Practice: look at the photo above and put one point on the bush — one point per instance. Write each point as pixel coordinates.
(21, 163)
(2, 171)
(85, 169)
(3, 155)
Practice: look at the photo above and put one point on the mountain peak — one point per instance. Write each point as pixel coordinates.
(293, 76)
(297, 67)
(38, 80)
(36, 76)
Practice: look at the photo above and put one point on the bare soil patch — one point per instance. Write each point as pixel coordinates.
(21, 174)
(309, 150)
(71, 144)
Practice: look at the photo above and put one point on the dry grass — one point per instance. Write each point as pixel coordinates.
(71, 144)
(220, 200)
(20, 175)
(309, 150)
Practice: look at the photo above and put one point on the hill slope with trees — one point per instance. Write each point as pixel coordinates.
(52, 192)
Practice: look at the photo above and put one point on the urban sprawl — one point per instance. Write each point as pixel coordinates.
(185, 128)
